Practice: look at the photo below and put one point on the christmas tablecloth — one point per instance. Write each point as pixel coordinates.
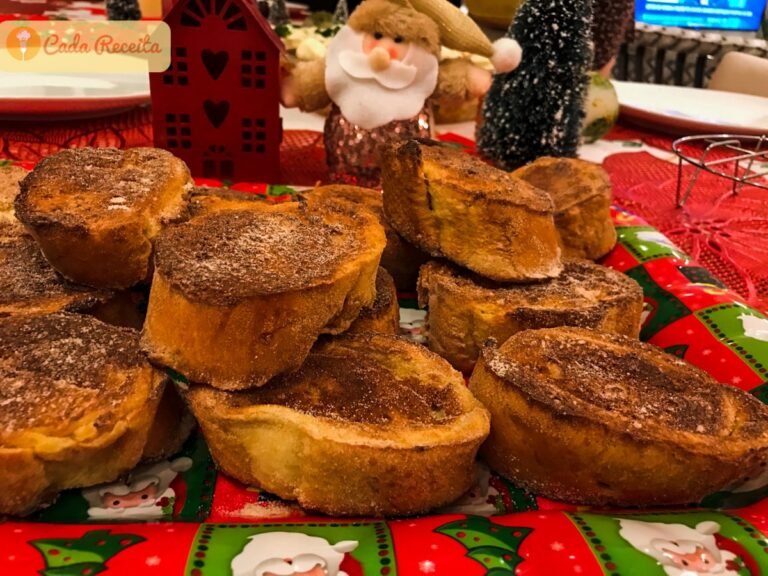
(200, 523)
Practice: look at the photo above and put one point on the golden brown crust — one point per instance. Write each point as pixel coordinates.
(592, 418)
(10, 176)
(11, 229)
(451, 204)
(369, 425)
(240, 296)
(383, 316)
(227, 257)
(206, 199)
(466, 309)
(96, 211)
(400, 259)
(356, 195)
(171, 427)
(78, 400)
(29, 285)
(581, 192)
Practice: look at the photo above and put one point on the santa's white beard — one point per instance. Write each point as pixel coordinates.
(371, 99)
(147, 510)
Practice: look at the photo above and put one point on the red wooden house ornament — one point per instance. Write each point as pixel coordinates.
(217, 107)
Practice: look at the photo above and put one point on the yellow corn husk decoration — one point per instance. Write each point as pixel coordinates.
(457, 30)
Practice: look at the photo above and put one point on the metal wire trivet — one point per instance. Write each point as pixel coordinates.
(740, 154)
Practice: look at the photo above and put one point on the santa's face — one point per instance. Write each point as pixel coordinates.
(375, 79)
(143, 497)
(301, 565)
(700, 561)
(394, 48)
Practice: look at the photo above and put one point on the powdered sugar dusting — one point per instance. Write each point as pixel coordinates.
(368, 379)
(568, 181)
(497, 365)
(56, 368)
(385, 294)
(581, 286)
(10, 176)
(227, 256)
(579, 371)
(73, 183)
(26, 278)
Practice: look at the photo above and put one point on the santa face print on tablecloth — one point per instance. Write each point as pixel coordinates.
(293, 549)
(291, 554)
(674, 544)
(680, 550)
(491, 495)
(145, 495)
(179, 488)
(413, 324)
(754, 327)
(482, 499)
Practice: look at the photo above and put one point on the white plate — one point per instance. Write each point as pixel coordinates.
(24, 95)
(682, 111)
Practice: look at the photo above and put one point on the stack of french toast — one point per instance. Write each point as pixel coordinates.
(275, 328)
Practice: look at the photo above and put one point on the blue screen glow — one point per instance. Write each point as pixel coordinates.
(706, 14)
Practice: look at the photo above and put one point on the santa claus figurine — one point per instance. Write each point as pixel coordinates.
(380, 72)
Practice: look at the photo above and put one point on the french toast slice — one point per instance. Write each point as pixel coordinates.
(383, 316)
(96, 211)
(29, 285)
(78, 399)
(370, 425)
(241, 296)
(606, 420)
(171, 427)
(453, 205)
(466, 309)
(173, 422)
(10, 177)
(356, 195)
(581, 192)
(206, 200)
(401, 259)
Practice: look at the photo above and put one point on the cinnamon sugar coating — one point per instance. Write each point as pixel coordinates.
(222, 258)
(29, 283)
(351, 383)
(59, 367)
(639, 383)
(67, 187)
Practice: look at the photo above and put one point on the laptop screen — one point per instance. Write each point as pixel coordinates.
(705, 14)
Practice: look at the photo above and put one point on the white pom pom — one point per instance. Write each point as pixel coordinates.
(507, 54)
(708, 527)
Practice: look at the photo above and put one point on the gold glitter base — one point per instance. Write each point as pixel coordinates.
(353, 153)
